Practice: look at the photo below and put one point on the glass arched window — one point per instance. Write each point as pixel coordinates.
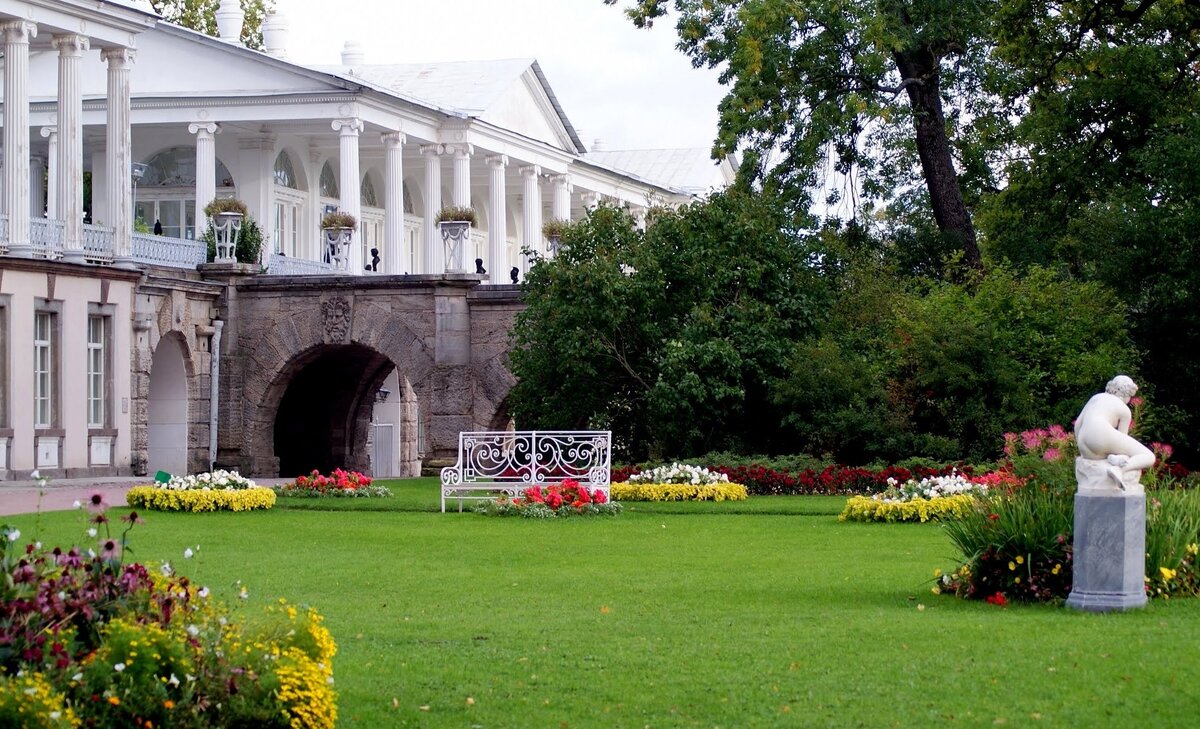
(329, 182)
(369, 198)
(166, 192)
(408, 203)
(285, 173)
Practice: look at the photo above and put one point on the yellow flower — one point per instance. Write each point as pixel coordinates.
(1193, 548)
(1168, 574)
(114, 701)
(1017, 580)
(1011, 566)
(1020, 559)
(937, 573)
(1056, 570)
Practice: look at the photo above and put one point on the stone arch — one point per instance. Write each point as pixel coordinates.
(414, 196)
(167, 407)
(323, 417)
(313, 332)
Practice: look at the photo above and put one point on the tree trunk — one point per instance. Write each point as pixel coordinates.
(920, 68)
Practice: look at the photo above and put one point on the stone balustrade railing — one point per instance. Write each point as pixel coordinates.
(162, 250)
(97, 243)
(46, 237)
(290, 266)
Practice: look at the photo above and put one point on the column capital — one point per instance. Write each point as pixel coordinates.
(118, 56)
(49, 132)
(205, 127)
(431, 150)
(18, 31)
(590, 199)
(70, 44)
(563, 179)
(458, 150)
(497, 160)
(531, 171)
(348, 127)
(393, 139)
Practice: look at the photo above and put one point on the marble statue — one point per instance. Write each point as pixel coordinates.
(1109, 458)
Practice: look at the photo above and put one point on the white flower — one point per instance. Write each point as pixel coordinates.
(203, 592)
(13, 535)
(119, 667)
(166, 569)
(35, 475)
(91, 532)
(188, 553)
(77, 677)
(173, 680)
(55, 715)
(193, 631)
(37, 545)
(244, 594)
(91, 553)
(77, 505)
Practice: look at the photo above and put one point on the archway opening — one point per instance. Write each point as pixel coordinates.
(168, 407)
(324, 417)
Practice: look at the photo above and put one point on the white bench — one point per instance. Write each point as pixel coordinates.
(492, 463)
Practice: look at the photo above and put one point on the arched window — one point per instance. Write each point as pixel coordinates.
(329, 182)
(408, 203)
(369, 198)
(285, 174)
(166, 193)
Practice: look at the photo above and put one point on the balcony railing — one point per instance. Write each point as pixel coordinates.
(46, 237)
(290, 266)
(162, 250)
(97, 244)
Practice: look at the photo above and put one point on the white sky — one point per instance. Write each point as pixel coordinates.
(630, 87)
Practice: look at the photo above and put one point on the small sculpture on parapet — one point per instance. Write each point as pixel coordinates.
(1109, 458)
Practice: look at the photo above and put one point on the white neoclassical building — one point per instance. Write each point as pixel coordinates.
(118, 130)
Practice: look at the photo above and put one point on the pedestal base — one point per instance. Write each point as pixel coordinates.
(1109, 560)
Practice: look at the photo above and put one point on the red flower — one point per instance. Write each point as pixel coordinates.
(599, 497)
(554, 499)
(993, 517)
(997, 599)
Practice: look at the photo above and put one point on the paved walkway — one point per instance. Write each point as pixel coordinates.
(25, 497)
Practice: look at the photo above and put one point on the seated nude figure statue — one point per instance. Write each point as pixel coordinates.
(1102, 432)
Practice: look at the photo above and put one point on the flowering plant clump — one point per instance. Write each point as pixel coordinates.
(831, 480)
(338, 483)
(679, 492)
(161, 499)
(934, 497)
(569, 498)
(225, 480)
(680, 473)
(88, 640)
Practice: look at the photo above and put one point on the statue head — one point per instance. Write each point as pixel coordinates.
(1121, 386)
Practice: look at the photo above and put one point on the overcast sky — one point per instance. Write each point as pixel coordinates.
(630, 87)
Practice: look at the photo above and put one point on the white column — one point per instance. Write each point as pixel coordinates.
(37, 190)
(350, 184)
(533, 212)
(561, 206)
(119, 154)
(51, 136)
(70, 132)
(462, 174)
(393, 202)
(433, 202)
(16, 35)
(206, 172)
(497, 263)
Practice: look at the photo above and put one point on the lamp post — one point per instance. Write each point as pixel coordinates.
(137, 171)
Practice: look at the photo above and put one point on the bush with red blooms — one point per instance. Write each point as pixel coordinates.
(338, 483)
(570, 498)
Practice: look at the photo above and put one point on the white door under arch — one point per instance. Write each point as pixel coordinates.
(168, 409)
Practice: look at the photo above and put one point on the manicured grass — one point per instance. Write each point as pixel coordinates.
(670, 615)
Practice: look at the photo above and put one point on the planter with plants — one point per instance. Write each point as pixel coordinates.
(339, 228)
(553, 230)
(455, 224)
(226, 214)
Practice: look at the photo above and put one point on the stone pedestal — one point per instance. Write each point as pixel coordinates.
(1109, 551)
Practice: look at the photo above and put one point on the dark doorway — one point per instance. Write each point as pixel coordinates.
(325, 414)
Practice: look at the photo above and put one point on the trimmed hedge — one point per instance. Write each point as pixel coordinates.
(195, 500)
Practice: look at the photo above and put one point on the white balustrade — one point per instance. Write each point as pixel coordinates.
(97, 243)
(46, 237)
(289, 266)
(3, 234)
(162, 250)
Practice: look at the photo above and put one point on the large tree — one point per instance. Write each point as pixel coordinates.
(861, 82)
(201, 15)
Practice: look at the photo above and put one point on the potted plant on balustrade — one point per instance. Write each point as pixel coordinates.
(553, 230)
(339, 228)
(227, 216)
(455, 223)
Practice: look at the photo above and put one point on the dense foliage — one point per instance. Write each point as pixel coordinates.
(201, 15)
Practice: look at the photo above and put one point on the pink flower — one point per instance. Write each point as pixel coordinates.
(1051, 454)
(1136, 402)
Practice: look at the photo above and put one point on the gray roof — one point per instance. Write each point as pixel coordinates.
(691, 169)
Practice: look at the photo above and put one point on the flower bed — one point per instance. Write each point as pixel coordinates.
(216, 491)
(548, 502)
(340, 483)
(832, 480)
(935, 497)
(91, 641)
(678, 492)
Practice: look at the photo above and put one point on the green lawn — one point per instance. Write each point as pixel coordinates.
(672, 615)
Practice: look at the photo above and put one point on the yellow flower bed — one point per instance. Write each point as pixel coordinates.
(864, 508)
(29, 701)
(678, 492)
(154, 497)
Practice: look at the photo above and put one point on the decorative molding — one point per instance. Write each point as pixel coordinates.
(497, 160)
(17, 31)
(531, 171)
(118, 56)
(393, 138)
(432, 150)
(70, 44)
(210, 127)
(352, 126)
(458, 150)
(336, 313)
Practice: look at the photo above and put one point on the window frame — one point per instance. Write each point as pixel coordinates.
(52, 346)
(103, 379)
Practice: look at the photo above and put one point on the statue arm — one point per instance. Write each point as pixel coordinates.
(1124, 420)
